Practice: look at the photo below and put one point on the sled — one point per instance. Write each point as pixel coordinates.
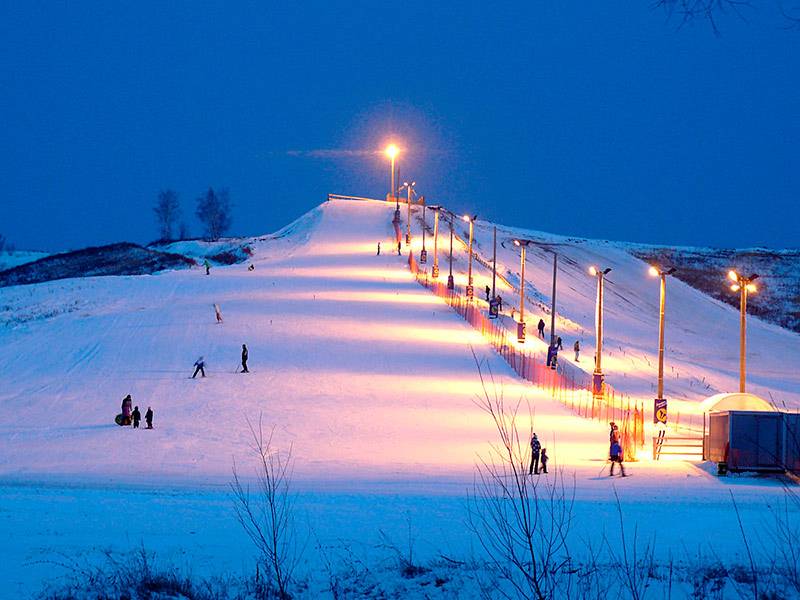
(120, 420)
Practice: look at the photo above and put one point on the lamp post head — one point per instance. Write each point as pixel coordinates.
(592, 271)
(733, 276)
(654, 272)
(392, 151)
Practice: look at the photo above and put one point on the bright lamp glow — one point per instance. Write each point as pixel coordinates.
(751, 287)
(735, 287)
(392, 150)
(733, 276)
(466, 218)
(592, 271)
(516, 242)
(654, 272)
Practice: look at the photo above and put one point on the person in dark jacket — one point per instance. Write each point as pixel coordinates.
(499, 302)
(244, 359)
(488, 291)
(544, 460)
(136, 416)
(207, 265)
(536, 448)
(379, 249)
(559, 343)
(127, 405)
(399, 245)
(616, 458)
(577, 348)
(200, 367)
(148, 418)
(541, 328)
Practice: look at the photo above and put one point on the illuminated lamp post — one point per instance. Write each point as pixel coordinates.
(597, 376)
(423, 254)
(470, 288)
(409, 186)
(523, 246)
(392, 151)
(450, 282)
(435, 269)
(743, 285)
(660, 403)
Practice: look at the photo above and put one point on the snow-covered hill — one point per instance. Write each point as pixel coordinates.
(367, 375)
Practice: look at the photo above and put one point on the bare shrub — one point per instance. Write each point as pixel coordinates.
(521, 523)
(633, 561)
(267, 515)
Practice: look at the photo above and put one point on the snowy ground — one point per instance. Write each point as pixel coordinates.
(368, 376)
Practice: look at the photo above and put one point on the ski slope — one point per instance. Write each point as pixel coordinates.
(366, 375)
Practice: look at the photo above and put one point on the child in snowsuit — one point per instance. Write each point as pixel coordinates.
(544, 460)
(137, 417)
(616, 458)
(200, 367)
(536, 447)
(148, 417)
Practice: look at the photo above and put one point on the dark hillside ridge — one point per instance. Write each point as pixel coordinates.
(778, 297)
(115, 259)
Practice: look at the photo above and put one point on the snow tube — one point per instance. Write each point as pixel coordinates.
(121, 420)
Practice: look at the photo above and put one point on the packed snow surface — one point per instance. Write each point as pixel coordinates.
(367, 376)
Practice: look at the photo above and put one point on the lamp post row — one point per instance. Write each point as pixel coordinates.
(741, 284)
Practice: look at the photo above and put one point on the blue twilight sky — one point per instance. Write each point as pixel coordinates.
(589, 118)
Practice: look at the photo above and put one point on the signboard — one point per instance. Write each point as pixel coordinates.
(660, 411)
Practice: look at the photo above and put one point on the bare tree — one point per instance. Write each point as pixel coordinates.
(267, 516)
(168, 212)
(689, 10)
(214, 212)
(521, 523)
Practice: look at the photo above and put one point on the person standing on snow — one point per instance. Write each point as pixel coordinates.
(200, 365)
(127, 403)
(559, 343)
(379, 249)
(616, 458)
(536, 447)
(499, 303)
(540, 327)
(488, 291)
(136, 416)
(577, 348)
(544, 459)
(244, 359)
(148, 417)
(207, 265)
(398, 248)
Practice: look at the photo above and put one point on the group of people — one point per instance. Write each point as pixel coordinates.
(200, 363)
(132, 416)
(538, 456)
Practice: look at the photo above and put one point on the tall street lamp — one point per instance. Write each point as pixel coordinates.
(743, 285)
(450, 282)
(660, 405)
(470, 288)
(435, 269)
(597, 376)
(423, 255)
(392, 151)
(523, 245)
(409, 186)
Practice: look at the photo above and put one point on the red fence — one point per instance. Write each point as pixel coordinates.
(565, 383)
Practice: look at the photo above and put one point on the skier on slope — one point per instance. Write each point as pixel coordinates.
(207, 265)
(399, 245)
(136, 416)
(379, 249)
(540, 327)
(488, 291)
(148, 417)
(245, 354)
(616, 458)
(536, 447)
(200, 365)
(559, 343)
(577, 348)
